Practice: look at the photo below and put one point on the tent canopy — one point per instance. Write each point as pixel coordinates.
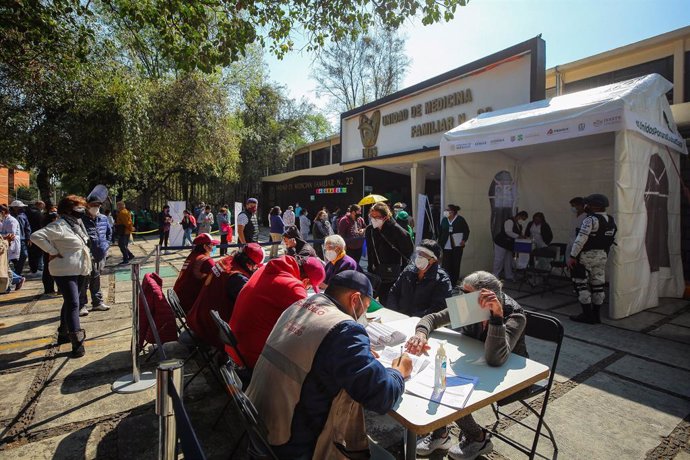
(625, 105)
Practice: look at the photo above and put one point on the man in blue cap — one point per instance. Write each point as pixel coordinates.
(319, 356)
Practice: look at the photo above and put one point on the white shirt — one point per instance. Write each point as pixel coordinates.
(535, 232)
(450, 235)
(508, 227)
(289, 217)
(11, 226)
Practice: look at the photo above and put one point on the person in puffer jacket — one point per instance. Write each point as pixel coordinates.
(100, 234)
(67, 244)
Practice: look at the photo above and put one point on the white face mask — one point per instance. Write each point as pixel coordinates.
(361, 319)
(93, 211)
(330, 255)
(376, 223)
(446, 214)
(421, 262)
(79, 209)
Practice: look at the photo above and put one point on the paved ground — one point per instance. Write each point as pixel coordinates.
(621, 389)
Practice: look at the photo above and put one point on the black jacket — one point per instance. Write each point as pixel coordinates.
(546, 233)
(388, 245)
(459, 226)
(418, 298)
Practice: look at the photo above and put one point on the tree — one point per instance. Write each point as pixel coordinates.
(354, 72)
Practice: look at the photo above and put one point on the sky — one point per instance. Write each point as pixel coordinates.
(572, 29)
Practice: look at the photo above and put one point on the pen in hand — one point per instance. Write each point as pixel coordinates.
(401, 354)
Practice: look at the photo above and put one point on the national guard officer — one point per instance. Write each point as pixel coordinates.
(588, 257)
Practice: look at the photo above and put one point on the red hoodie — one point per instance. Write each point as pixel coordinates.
(191, 277)
(215, 295)
(269, 292)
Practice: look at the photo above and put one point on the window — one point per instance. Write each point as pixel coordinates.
(321, 157)
(302, 161)
(337, 154)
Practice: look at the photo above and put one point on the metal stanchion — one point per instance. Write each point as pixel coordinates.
(167, 435)
(158, 259)
(136, 381)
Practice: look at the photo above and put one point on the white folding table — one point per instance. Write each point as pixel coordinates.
(465, 357)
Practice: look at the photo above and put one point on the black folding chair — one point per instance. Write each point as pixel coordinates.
(255, 429)
(539, 268)
(561, 258)
(198, 346)
(547, 328)
(227, 336)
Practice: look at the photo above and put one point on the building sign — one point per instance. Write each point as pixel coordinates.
(417, 119)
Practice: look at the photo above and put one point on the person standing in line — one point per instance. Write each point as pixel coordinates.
(205, 221)
(333, 219)
(67, 242)
(577, 206)
(351, 228)
(10, 232)
(454, 235)
(504, 244)
(46, 277)
(109, 215)
(17, 208)
(389, 247)
(35, 215)
(304, 224)
(164, 222)
(99, 233)
(188, 226)
(224, 229)
(588, 258)
(277, 227)
(247, 223)
(289, 217)
(321, 229)
(124, 228)
(298, 210)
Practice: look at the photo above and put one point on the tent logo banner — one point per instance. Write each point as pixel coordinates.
(659, 134)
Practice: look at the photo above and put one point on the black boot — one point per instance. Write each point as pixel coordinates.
(585, 316)
(596, 314)
(63, 335)
(77, 338)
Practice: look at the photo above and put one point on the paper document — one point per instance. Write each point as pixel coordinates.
(390, 354)
(465, 310)
(457, 239)
(457, 392)
(382, 335)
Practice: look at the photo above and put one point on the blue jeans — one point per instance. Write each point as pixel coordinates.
(187, 236)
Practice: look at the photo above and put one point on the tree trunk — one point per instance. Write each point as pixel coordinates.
(43, 184)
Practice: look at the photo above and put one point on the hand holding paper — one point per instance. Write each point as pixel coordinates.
(465, 310)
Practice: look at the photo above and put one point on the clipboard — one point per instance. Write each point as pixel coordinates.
(457, 239)
(465, 310)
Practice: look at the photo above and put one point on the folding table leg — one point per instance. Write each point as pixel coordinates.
(410, 445)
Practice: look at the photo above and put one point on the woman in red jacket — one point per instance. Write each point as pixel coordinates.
(220, 290)
(198, 264)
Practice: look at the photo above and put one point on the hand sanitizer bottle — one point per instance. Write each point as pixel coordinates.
(440, 367)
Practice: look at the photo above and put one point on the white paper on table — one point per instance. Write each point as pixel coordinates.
(457, 392)
(390, 354)
(465, 310)
(383, 335)
(457, 239)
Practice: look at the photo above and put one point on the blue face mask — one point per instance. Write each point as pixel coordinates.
(214, 251)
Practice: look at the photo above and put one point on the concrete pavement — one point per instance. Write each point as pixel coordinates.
(621, 388)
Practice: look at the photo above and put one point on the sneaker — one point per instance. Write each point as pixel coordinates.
(432, 442)
(83, 311)
(20, 284)
(469, 450)
(100, 307)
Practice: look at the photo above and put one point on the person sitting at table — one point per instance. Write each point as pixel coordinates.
(318, 411)
(539, 230)
(295, 244)
(269, 292)
(220, 290)
(194, 269)
(424, 286)
(338, 260)
(502, 334)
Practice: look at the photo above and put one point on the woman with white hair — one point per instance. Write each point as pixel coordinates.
(503, 333)
(338, 261)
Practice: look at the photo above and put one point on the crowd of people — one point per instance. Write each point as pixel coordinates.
(299, 315)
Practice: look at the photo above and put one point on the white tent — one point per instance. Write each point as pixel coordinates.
(619, 140)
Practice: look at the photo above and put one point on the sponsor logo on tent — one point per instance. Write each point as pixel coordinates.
(497, 141)
(466, 145)
(553, 131)
(518, 138)
(581, 127)
(653, 131)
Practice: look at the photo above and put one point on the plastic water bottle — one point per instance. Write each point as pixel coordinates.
(440, 367)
